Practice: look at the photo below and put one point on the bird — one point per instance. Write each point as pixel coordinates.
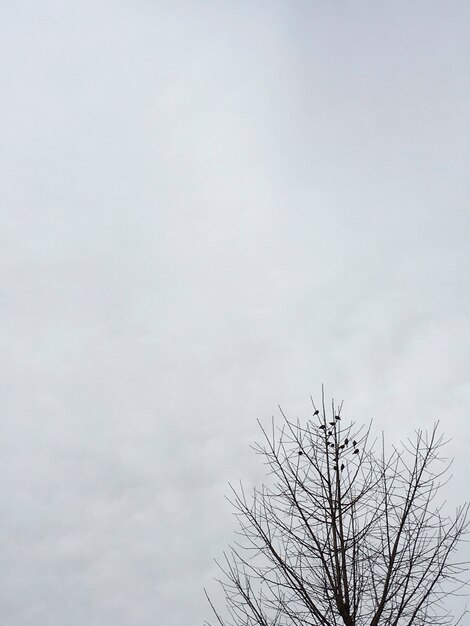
(354, 443)
(342, 466)
(332, 423)
(316, 412)
(330, 432)
(342, 447)
(322, 426)
(346, 441)
(300, 452)
(335, 467)
(337, 417)
(332, 445)
(356, 452)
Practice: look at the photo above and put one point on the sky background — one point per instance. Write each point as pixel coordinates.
(209, 209)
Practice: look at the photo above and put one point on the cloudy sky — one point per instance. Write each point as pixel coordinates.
(209, 208)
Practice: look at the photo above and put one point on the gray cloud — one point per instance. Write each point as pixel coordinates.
(209, 209)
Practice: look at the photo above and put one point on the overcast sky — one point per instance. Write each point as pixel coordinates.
(209, 208)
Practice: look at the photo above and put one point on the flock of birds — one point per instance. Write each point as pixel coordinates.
(333, 445)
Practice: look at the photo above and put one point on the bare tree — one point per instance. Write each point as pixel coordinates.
(345, 532)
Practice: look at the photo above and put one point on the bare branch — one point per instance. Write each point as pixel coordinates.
(343, 533)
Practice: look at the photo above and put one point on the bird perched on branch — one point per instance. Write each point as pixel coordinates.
(300, 452)
(354, 443)
(337, 417)
(316, 412)
(332, 423)
(322, 426)
(342, 466)
(346, 441)
(356, 452)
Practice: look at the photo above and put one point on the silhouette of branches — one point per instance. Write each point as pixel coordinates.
(345, 533)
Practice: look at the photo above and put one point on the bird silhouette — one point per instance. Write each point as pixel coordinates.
(322, 426)
(335, 467)
(341, 447)
(300, 452)
(332, 423)
(330, 432)
(342, 466)
(316, 412)
(346, 441)
(337, 417)
(356, 452)
(354, 443)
